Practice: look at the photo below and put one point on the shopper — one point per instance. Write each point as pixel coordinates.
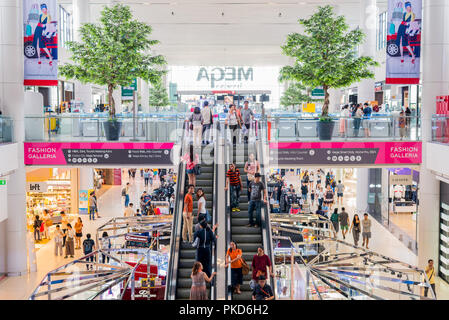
(198, 290)
(172, 204)
(234, 180)
(48, 222)
(125, 194)
(64, 222)
(320, 194)
(146, 177)
(357, 120)
(234, 258)
(187, 226)
(304, 190)
(366, 234)
(252, 166)
(191, 163)
(344, 116)
(430, 273)
(89, 247)
(96, 203)
(92, 204)
(58, 236)
(335, 219)
(129, 211)
(247, 117)
(367, 110)
(329, 197)
(402, 125)
(105, 245)
(257, 193)
(202, 210)
(37, 228)
(69, 243)
(312, 197)
(344, 222)
(196, 125)
(78, 233)
(340, 189)
(259, 266)
(262, 290)
(233, 121)
(204, 239)
(208, 120)
(355, 228)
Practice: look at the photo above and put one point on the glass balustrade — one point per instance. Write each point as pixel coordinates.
(6, 130)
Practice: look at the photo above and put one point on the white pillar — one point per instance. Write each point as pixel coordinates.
(81, 14)
(117, 95)
(368, 15)
(435, 81)
(86, 178)
(334, 100)
(362, 189)
(12, 103)
(144, 95)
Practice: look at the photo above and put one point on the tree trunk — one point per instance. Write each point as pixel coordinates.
(111, 101)
(325, 110)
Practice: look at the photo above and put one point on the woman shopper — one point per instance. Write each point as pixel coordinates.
(335, 221)
(329, 197)
(252, 166)
(58, 240)
(105, 245)
(204, 239)
(69, 242)
(64, 222)
(233, 121)
(344, 116)
(198, 290)
(48, 222)
(355, 228)
(358, 120)
(196, 125)
(234, 257)
(191, 161)
(146, 177)
(37, 228)
(78, 233)
(202, 211)
(172, 204)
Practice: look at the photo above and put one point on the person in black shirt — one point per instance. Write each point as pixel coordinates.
(203, 252)
(304, 190)
(262, 291)
(88, 247)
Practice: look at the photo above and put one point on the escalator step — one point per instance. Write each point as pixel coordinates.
(244, 230)
(247, 238)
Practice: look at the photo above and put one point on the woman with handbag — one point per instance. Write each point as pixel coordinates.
(191, 162)
(355, 228)
(234, 257)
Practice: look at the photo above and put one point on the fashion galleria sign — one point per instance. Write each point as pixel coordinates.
(218, 77)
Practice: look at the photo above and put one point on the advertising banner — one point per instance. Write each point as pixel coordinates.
(345, 153)
(83, 201)
(40, 42)
(404, 41)
(97, 153)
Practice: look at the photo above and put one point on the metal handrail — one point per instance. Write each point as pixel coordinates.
(228, 294)
(215, 210)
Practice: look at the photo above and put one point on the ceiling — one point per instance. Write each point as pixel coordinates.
(225, 32)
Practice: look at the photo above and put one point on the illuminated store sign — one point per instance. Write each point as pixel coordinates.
(216, 75)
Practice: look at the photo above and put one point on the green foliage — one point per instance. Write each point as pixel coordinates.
(325, 54)
(294, 95)
(159, 95)
(114, 52)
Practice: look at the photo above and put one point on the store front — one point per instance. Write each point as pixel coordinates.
(443, 264)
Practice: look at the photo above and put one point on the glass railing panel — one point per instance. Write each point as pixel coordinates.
(6, 130)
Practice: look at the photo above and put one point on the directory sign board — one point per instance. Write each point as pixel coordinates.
(40, 43)
(97, 153)
(345, 153)
(403, 41)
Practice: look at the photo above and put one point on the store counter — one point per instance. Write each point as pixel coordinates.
(404, 206)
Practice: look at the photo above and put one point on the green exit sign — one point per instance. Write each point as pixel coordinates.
(2, 182)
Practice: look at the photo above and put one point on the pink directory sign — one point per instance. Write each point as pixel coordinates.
(97, 153)
(345, 153)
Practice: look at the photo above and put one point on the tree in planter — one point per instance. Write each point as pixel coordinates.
(325, 55)
(159, 96)
(114, 52)
(294, 95)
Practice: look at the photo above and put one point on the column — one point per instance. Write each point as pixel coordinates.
(362, 189)
(335, 100)
(435, 81)
(81, 14)
(368, 14)
(144, 96)
(12, 104)
(86, 180)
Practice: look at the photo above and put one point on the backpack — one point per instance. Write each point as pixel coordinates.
(123, 192)
(87, 245)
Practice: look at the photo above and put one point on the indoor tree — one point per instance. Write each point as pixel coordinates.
(158, 95)
(114, 52)
(325, 54)
(294, 95)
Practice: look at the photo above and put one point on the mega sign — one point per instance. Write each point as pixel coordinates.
(223, 74)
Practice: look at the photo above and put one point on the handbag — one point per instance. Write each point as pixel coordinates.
(245, 267)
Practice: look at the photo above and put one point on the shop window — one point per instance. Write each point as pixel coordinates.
(381, 37)
(443, 265)
(66, 26)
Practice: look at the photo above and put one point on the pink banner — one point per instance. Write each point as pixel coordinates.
(346, 152)
(92, 153)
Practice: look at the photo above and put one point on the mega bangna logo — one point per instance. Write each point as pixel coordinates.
(404, 152)
(41, 153)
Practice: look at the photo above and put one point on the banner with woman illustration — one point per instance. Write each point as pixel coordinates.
(404, 41)
(40, 42)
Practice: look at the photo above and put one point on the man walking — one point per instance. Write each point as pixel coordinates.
(366, 230)
(88, 247)
(125, 194)
(256, 189)
(187, 215)
(304, 191)
(340, 189)
(208, 119)
(247, 117)
(234, 179)
(344, 222)
(430, 272)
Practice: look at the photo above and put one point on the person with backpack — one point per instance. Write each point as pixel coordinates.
(203, 240)
(196, 126)
(335, 221)
(89, 247)
(105, 244)
(234, 258)
(208, 121)
(125, 194)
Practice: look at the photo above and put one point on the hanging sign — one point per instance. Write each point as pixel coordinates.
(404, 41)
(40, 43)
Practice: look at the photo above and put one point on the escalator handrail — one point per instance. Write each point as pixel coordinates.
(172, 271)
(213, 287)
(228, 294)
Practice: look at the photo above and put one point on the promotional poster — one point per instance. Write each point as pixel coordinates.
(40, 42)
(404, 41)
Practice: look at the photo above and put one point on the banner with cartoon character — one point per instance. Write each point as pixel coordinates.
(40, 42)
(404, 41)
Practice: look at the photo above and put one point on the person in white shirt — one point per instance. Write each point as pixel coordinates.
(69, 243)
(129, 211)
(58, 241)
(208, 120)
